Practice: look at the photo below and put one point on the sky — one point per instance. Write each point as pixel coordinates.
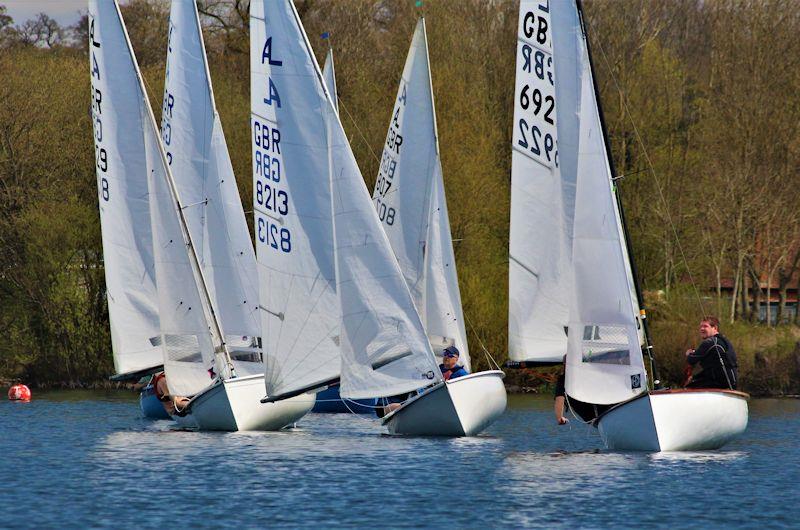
(65, 12)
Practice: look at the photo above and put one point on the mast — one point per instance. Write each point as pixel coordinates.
(642, 317)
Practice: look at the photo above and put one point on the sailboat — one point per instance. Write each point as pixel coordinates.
(327, 250)
(197, 360)
(560, 152)
(124, 219)
(410, 201)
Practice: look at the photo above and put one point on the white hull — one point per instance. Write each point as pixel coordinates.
(235, 405)
(675, 420)
(461, 407)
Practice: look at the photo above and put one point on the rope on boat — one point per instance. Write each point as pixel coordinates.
(483, 346)
(574, 414)
(354, 413)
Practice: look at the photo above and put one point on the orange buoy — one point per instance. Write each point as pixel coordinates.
(19, 393)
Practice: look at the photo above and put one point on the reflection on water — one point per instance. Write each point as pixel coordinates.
(89, 458)
(697, 457)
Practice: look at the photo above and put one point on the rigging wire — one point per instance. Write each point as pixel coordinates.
(361, 134)
(655, 175)
(480, 341)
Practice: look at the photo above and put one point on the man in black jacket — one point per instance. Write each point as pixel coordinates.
(716, 357)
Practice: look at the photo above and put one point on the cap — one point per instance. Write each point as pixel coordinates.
(450, 351)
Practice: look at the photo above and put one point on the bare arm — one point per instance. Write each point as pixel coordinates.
(558, 408)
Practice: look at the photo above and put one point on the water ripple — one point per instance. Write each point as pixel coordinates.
(78, 459)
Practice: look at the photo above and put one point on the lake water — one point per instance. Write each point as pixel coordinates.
(78, 459)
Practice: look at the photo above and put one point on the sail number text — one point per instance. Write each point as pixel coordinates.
(390, 159)
(101, 155)
(535, 133)
(270, 198)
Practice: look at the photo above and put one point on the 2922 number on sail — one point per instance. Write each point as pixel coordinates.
(535, 131)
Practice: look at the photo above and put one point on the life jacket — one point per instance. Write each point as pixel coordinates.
(447, 374)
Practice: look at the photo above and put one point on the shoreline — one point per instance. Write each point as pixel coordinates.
(514, 388)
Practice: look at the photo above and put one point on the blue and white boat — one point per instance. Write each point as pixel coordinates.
(150, 405)
(330, 401)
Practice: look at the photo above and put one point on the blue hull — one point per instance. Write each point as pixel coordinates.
(150, 405)
(330, 401)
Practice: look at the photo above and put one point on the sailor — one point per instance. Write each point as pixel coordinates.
(450, 370)
(586, 412)
(172, 404)
(559, 405)
(716, 357)
(450, 367)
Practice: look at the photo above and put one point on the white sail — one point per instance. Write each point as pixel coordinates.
(444, 317)
(543, 173)
(604, 359)
(189, 332)
(329, 75)
(122, 195)
(199, 160)
(292, 201)
(410, 201)
(189, 360)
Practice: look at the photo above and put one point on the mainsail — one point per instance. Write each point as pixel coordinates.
(543, 176)
(188, 326)
(198, 157)
(329, 75)
(604, 359)
(383, 346)
(292, 201)
(123, 196)
(410, 200)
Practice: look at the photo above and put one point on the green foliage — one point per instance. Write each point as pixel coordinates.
(51, 278)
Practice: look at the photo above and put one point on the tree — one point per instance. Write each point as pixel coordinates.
(41, 31)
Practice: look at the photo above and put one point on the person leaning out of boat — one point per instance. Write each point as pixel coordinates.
(172, 404)
(716, 357)
(560, 402)
(450, 367)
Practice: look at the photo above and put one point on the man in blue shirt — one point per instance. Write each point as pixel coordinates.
(450, 367)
